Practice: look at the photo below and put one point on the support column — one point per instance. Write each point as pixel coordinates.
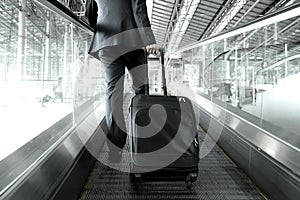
(266, 56)
(200, 67)
(253, 86)
(47, 71)
(183, 70)
(21, 40)
(68, 62)
(203, 68)
(65, 65)
(73, 61)
(227, 75)
(275, 33)
(43, 72)
(212, 70)
(247, 61)
(286, 62)
(236, 74)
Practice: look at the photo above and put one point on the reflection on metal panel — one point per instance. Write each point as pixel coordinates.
(53, 164)
(276, 148)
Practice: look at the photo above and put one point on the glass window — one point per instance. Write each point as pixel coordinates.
(42, 56)
(256, 71)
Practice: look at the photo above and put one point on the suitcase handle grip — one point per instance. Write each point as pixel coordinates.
(162, 64)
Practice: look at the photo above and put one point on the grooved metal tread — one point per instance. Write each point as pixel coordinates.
(218, 178)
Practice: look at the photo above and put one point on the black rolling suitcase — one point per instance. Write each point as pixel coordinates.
(163, 140)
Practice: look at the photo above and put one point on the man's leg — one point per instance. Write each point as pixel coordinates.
(61, 97)
(135, 62)
(114, 75)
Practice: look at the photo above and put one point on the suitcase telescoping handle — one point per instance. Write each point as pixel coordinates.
(163, 71)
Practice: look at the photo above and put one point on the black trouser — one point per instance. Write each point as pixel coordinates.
(115, 59)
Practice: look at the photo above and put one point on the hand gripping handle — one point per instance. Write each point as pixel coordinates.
(162, 64)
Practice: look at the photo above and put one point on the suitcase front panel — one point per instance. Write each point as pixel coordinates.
(174, 132)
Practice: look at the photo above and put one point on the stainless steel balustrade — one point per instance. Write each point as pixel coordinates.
(56, 43)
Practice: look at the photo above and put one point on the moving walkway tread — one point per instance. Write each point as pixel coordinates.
(219, 178)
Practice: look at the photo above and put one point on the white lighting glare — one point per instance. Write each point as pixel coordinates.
(235, 9)
(186, 14)
(272, 20)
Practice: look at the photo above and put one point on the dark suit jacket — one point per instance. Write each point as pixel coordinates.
(119, 22)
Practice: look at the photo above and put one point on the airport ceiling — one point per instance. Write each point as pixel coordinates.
(175, 23)
(203, 18)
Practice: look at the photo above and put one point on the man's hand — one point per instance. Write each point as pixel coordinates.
(152, 49)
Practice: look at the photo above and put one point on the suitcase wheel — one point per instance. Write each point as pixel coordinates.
(188, 184)
(190, 179)
(135, 179)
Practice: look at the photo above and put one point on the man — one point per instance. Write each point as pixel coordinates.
(57, 89)
(122, 29)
